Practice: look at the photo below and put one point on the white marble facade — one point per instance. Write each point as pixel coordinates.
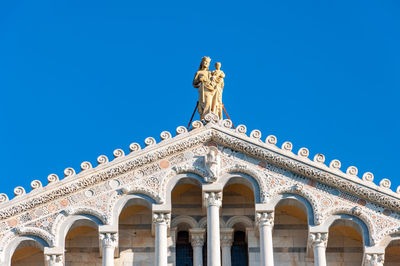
(210, 182)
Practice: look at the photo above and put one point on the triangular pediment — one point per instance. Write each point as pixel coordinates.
(148, 171)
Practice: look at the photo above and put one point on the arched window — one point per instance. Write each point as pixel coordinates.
(239, 249)
(184, 251)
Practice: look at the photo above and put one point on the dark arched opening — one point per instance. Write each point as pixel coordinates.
(239, 249)
(184, 251)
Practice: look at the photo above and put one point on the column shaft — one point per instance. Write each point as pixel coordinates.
(213, 201)
(198, 256)
(265, 222)
(226, 256)
(161, 221)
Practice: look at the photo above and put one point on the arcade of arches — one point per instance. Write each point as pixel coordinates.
(187, 235)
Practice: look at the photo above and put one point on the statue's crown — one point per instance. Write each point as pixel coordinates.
(206, 58)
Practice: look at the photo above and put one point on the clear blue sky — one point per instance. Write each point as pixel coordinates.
(81, 78)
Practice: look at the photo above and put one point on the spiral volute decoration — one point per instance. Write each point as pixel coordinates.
(255, 134)
(86, 166)
(18, 191)
(368, 176)
(102, 159)
(271, 139)
(397, 190)
(303, 152)
(287, 146)
(385, 183)
(352, 170)
(319, 158)
(197, 124)
(211, 117)
(118, 153)
(35, 184)
(227, 123)
(181, 130)
(3, 197)
(149, 141)
(134, 147)
(165, 135)
(241, 129)
(51, 178)
(335, 164)
(69, 172)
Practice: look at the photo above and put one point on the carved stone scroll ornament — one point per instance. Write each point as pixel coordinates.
(109, 239)
(319, 239)
(374, 259)
(212, 163)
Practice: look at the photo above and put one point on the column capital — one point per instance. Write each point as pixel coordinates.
(197, 239)
(318, 239)
(265, 218)
(226, 237)
(54, 259)
(374, 259)
(108, 239)
(161, 218)
(213, 199)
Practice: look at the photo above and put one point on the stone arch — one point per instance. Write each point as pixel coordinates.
(169, 183)
(385, 241)
(64, 225)
(245, 177)
(304, 203)
(186, 220)
(354, 222)
(15, 243)
(239, 219)
(203, 223)
(129, 200)
(88, 211)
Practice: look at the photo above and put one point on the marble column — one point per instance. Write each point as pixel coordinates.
(265, 221)
(161, 222)
(213, 202)
(54, 259)
(374, 259)
(197, 241)
(226, 245)
(319, 242)
(108, 240)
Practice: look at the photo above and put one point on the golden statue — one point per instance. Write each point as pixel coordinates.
(210, 85)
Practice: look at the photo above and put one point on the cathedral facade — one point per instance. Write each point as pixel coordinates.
(212, 195)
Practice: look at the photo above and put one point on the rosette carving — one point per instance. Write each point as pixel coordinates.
(118, 153)
(241, 129)
(319, 158)
(287, 146)
(35, 184)
(352, 170)
(181, 130)
(86, 166)
(68, 172)
(3, 197)
(52, 178)
(149, 141)
(368, 176)
(134, 147)
(271, 139)
(335, 164)
(18, 191)
(165, 135)
(102, 159)
(197, 124)
(303, 152)
(255, 134)
(385, 183)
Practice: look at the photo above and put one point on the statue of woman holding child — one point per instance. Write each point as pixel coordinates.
(210, 85)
